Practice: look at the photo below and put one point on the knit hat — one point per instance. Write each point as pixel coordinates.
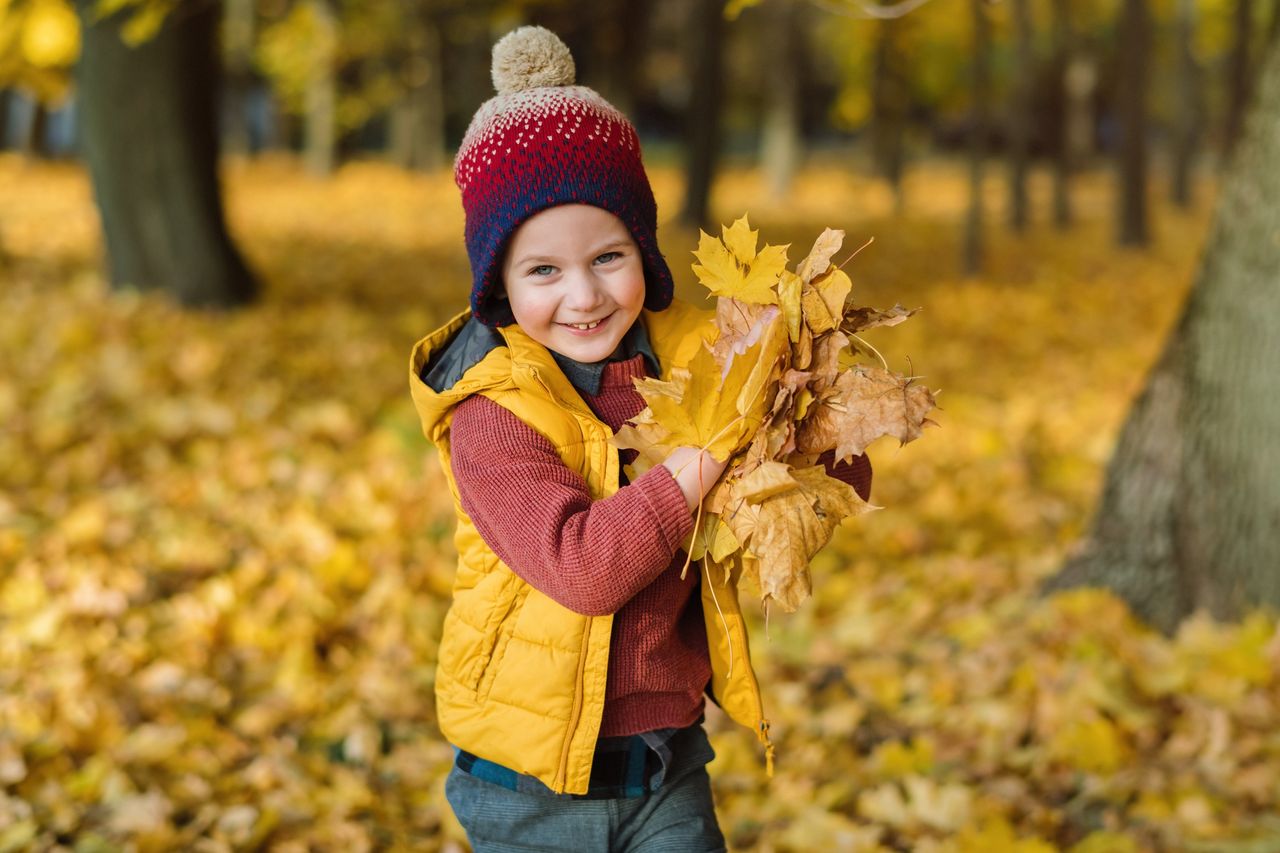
(541, 142)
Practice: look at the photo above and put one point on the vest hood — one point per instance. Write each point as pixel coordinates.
(433, 406)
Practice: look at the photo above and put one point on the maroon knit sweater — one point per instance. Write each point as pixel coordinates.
(620, 555)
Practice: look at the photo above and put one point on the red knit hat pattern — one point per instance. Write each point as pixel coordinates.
(541, 142)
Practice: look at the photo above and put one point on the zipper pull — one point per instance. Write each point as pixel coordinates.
(768, 748)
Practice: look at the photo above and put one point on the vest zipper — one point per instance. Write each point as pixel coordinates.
(562, 775)
(576, 713)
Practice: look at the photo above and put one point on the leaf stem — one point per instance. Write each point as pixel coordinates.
(723, 621)
(862, 341)
(870, 240)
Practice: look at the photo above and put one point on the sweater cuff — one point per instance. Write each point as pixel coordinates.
(666, 502)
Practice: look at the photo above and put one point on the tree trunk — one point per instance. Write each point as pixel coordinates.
(321, 132)
(6, 98)
(620, 29)
(417, 119)
(1020, 116)
(1238, 74)
(36, 145)
(1062, 160)
(148, 119)
(1186, 131)
(781, 146)
(1131, 107)
(703, 118)
(1082, 83)
(973, 248)
(1190, 514)
(888, 109)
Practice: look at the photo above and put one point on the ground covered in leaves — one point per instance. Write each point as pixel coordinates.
(225, 548)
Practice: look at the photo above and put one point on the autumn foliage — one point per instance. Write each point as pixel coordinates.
(225, 549)
(770, 394)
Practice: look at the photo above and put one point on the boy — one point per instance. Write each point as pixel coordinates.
(574, 658)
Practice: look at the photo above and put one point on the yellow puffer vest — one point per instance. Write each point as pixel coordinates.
(521, 679)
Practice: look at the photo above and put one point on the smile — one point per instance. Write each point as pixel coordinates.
(585, 327)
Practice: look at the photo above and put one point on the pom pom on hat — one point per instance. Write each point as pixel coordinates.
(531, 57)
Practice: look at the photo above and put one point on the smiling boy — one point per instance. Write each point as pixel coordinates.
(575, 656)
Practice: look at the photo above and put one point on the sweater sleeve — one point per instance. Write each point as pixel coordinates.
(856, 472)
(538, 516)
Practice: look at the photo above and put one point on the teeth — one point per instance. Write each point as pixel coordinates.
(585, 326)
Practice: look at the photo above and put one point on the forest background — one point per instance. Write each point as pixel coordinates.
(225, 548)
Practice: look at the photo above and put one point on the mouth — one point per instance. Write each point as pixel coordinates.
(585, 327)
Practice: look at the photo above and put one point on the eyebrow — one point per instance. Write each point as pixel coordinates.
(612, 245)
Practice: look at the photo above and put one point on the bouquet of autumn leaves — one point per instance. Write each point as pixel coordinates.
(776, 390)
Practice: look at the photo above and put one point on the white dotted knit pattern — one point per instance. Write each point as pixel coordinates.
(506, 121)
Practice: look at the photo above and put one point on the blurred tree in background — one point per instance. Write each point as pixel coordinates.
(1189, 516)
(149, 85)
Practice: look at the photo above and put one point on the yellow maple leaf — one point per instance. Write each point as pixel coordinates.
(698, 406)
(716, 268)
(741, 240)
(712, 538)
(732, 267)
(789, 289)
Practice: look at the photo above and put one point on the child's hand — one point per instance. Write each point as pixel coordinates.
(695, 471)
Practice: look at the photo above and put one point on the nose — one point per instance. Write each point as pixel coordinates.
(584, 292)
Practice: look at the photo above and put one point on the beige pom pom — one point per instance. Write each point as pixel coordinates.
(529, 57)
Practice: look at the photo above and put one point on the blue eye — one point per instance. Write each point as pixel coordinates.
(607, 257)
(542, 269)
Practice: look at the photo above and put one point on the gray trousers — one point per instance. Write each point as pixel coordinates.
(679, 817)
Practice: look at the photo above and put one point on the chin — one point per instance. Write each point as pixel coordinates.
(588, 354)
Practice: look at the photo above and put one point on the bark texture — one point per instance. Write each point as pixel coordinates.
(148, 120)
(1190, 514)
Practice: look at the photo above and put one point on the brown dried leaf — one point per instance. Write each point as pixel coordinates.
(857, 319)
(819, 258)
(864, 404)
(825, 368)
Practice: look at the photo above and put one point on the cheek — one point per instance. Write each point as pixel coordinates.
(530, 307)
(634, 289)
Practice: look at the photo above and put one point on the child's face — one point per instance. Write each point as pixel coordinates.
(575, 280)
